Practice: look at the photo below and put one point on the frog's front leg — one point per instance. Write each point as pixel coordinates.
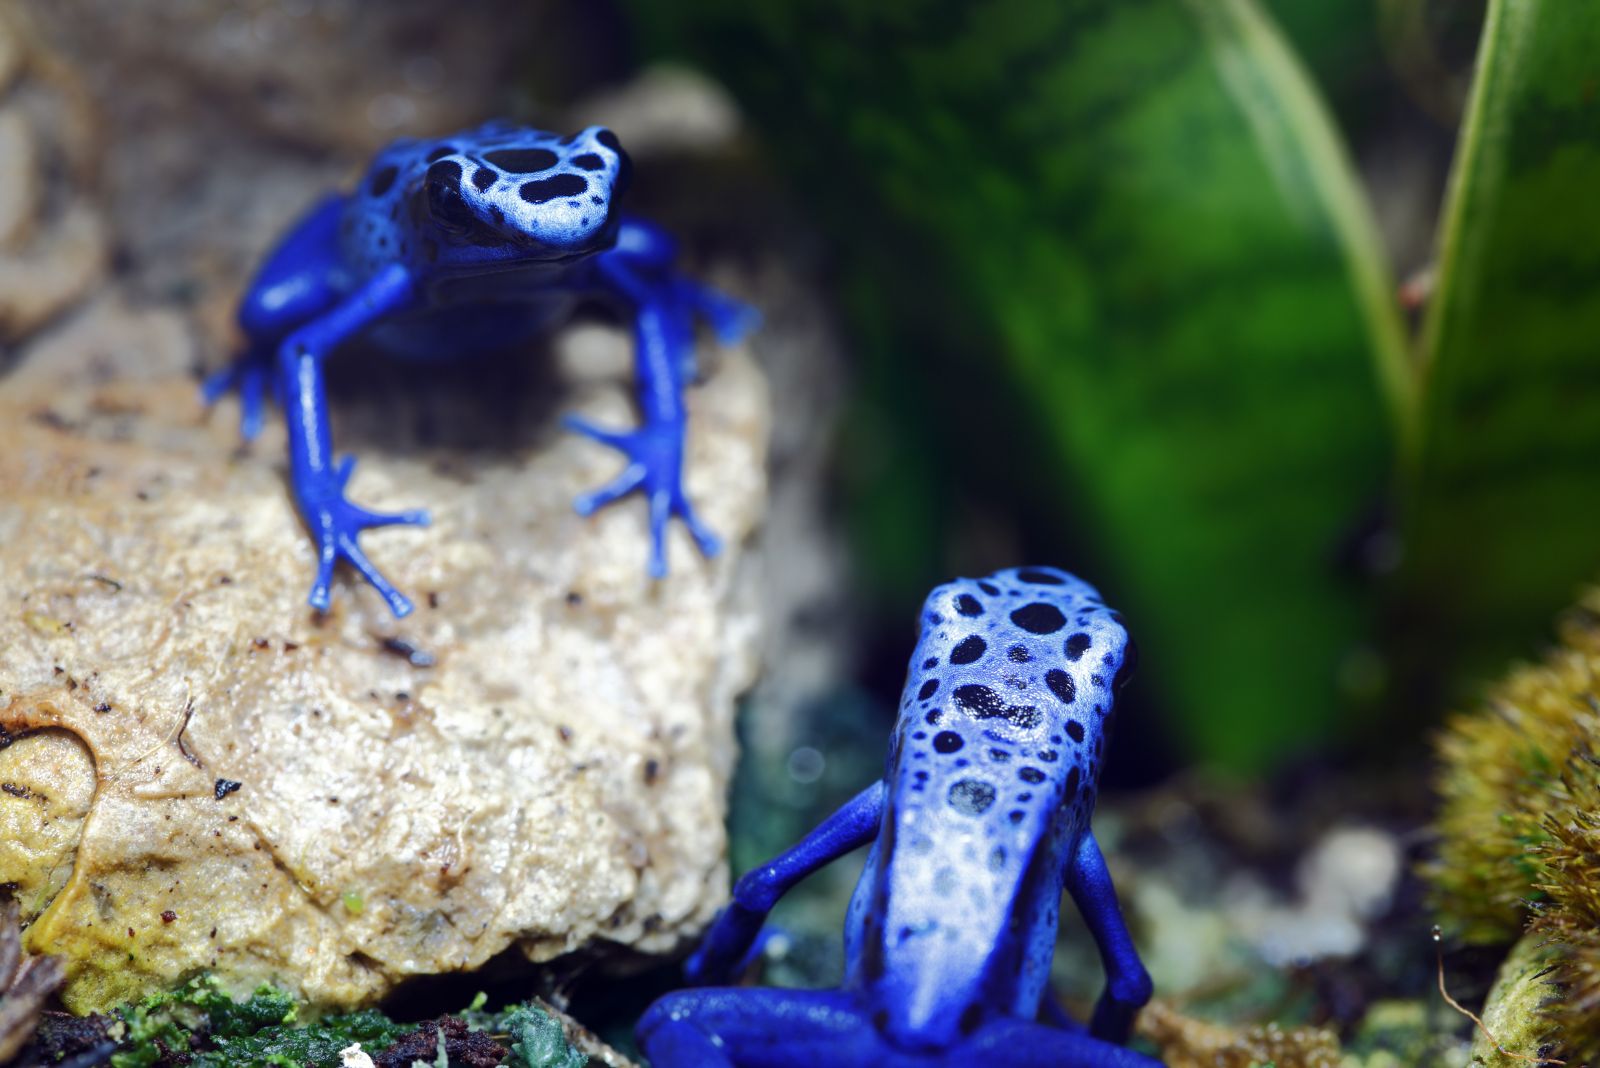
(295, 285)
(727, 946)
(319, 482)
(1127, 983)
(664, 309)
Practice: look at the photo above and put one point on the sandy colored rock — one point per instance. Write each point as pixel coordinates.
(535, 760)
(47, 784)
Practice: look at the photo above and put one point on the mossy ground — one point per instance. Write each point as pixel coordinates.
(199, 1026)
(1519, 829)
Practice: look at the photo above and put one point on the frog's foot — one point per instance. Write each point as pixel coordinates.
(247, 374)
(731, 320)
(655, 455)
(337, 524)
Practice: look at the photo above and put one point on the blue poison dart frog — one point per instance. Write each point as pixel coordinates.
(979, 822)
(458, 246)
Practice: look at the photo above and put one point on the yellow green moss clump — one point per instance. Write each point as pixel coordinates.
(1519, 823)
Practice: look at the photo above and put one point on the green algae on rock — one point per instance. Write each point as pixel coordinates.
(199, 1026)
(1516, 1012)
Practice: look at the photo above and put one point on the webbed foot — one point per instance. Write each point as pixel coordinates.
(248, 374)
(655, 467)
(337, 524)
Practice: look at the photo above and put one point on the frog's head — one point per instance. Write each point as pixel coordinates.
(546, 197)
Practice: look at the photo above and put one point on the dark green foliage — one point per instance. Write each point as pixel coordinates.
(1114, 284)
(1112, 268)
(1503, 511)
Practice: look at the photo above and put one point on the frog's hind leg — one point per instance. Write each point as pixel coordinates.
(248, 374)
(735, 1027)
(293, 286)
(1022, 1044)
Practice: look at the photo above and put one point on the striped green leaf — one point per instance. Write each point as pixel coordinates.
(1504, 491)
(1134, 290)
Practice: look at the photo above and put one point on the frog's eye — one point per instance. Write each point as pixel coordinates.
(445, 205)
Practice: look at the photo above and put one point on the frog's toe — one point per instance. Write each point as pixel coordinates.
(327, 556)
(252, 404)
(217, 383)
(655, 465)
(664, 504)
(337, 545)
(629, 480)
(617, 439)
(710, 545)
(398, 602)
(412, 517)
(337, 525)
(732, 321)
(660, 512)
(249, 377)
(343, 470)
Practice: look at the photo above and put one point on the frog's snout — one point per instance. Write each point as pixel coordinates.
(598, 149)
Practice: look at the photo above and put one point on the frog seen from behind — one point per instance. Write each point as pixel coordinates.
(979, 823)
(456, 246)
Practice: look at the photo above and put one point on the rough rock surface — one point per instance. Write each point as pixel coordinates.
(536, 759)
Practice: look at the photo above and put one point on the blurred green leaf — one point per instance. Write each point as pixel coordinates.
(1504, 493)
(1127, 262)
(1338, 41)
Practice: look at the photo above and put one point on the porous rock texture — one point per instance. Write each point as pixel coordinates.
(536, 758)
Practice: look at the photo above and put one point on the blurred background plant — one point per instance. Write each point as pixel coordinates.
(1123, 285)
(1277, 319)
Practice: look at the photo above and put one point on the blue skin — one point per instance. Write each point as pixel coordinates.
(979, 823)
(454, 247)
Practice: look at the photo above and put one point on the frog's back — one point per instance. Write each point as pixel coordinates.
(992, 776)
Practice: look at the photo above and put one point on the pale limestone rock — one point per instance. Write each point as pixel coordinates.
(553, 782)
